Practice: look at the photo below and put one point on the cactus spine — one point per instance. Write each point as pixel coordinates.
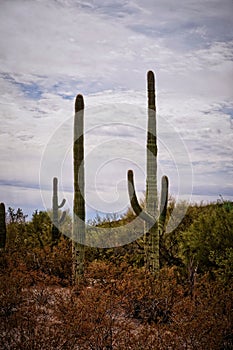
(153, 216)
(2, 226)
(56, 221)
(78, 234)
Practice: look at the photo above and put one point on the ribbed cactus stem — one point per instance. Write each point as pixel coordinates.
(153, 217)
(2, 226)
(55, 201)
(151, 181)
(78, 236)
(56, 220)
(151, 202)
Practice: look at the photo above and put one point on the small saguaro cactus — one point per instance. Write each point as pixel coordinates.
(154, 215)
(78, 234)
(2, 226)
(56, 220)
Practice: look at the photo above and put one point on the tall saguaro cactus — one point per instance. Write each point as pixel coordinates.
(78, 234)
(2, 226)
(56, 220)
(153, 216)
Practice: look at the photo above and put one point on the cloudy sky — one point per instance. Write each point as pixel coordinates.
(51, 50)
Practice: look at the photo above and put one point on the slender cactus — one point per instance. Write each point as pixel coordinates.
(2, 226)
(153, 216)
(57, 222)
(78, 234)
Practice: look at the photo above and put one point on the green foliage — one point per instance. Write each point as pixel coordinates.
(16, 228)
(209, 239)
(170, 242)
(223, 261)
(38, 230)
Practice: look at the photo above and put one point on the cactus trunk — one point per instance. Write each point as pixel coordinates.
(2, 226)
(78, 234)
(153, 216)
(151, 202)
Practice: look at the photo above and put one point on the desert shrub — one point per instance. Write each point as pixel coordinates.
(205, 321)
(209, 240)
(10, 294)
(56, 262)
(149, 300)
(119, 305)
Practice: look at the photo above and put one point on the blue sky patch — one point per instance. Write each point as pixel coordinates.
(227, 110)
(30, 90)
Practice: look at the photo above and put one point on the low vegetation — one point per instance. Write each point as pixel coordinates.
(119, 305)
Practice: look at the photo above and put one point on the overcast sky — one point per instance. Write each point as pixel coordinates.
(51, 50)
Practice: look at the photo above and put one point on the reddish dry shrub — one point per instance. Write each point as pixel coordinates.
(117, 307)
(54, 262)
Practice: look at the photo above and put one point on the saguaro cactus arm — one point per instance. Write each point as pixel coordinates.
(56, 206)
(62, 203)
(134, 201)
(163, 203)
(62, 218)
(56, 221)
